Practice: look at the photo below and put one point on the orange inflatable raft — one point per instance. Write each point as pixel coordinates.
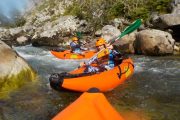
(104, 81)
(89, 106)
(67, 54)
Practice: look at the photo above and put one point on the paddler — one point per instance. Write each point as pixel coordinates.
(76, 47)
(108, 54)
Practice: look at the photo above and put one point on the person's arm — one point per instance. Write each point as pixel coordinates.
(112, 49)
(95, 59)
(114, 52)
(84, 49)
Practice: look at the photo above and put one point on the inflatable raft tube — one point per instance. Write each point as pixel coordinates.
(104, 81)
(67, 54)
(89, 106)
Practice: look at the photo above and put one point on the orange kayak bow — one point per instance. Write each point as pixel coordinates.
(89, 106)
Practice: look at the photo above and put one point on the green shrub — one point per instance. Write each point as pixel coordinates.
(129, 9)
(20, 22)
(76, 10)
(161, 6)
(140, 12)
(116, 10)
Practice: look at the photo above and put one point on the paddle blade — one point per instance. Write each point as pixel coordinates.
(136, 24)
(79, 35)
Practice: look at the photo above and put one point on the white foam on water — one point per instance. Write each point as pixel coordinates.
(44, 62)
(156, 70)
(138, 69)
(26, 56)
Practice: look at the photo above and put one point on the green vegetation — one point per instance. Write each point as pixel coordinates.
(99, 12)
(8, 84)
(46, 4)
(161, 6)
(19, 22)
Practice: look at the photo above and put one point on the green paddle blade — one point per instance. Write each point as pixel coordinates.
(136, 24)
(79, 35)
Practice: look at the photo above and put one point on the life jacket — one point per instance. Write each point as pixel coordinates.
(107, 57)
(75, 47)
(103, 53)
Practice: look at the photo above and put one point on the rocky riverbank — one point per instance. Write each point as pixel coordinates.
(50, 25)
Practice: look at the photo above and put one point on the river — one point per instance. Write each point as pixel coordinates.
(152, 93)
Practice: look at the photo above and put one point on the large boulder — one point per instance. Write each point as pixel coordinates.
(166, 21)
(12, 36)
(125, 44)
(175, 6)
(154, 42)
(14, 71)
(22, 40)
(170, 22)
(177, 49)
(109, 32)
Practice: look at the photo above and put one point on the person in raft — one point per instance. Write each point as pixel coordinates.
(108, 54)
(76, 47)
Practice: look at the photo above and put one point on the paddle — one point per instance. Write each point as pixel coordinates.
(79, 35)
(136, 24)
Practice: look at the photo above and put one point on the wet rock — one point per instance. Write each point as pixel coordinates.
(14, 72)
